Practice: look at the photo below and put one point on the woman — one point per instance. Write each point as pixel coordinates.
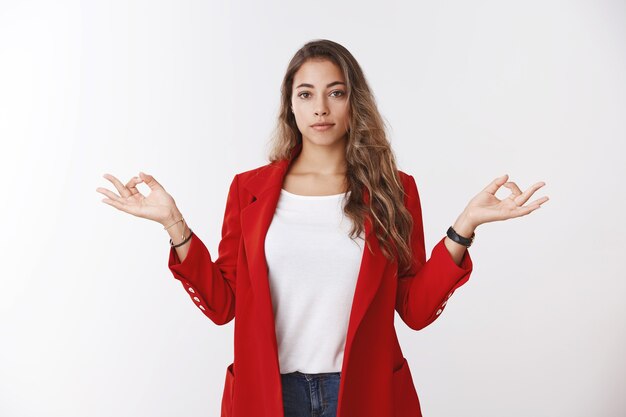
(319, 247)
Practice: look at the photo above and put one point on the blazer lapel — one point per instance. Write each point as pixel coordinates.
(256, 218)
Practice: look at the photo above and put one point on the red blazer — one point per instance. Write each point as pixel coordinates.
(375, 376)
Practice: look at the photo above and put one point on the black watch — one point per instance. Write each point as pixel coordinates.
(467, 242)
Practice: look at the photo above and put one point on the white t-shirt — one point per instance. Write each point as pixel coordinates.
(313, 269)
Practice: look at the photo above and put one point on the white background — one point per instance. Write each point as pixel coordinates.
(93, 323)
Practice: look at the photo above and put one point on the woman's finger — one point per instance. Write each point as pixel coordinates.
(108, 193)
(124, 192)
(529, 208)
(493, 187)
(513, 187)
(114, 203)
(523, 198)
(132, 185)
(150, 181)
(538, 202)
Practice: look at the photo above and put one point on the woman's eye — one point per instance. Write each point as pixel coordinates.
(341, 93)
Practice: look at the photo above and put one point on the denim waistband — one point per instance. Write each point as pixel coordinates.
(309, 376)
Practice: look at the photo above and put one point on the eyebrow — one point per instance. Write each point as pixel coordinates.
(327, 85)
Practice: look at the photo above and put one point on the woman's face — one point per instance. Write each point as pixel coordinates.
(320, 95)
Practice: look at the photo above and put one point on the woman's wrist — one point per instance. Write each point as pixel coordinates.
(463, 225)
(174, 216)
(179, 231)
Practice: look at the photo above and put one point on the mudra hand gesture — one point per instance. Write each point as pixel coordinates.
(486, 207)
(157, 206)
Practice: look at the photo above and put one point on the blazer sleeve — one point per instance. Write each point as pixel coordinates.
(423, 294)
(211, 284)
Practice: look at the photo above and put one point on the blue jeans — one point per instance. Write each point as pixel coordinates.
(310, 395)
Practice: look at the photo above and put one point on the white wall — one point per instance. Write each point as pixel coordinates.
(93, 324)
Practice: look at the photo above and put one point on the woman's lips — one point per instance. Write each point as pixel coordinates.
(321, 128)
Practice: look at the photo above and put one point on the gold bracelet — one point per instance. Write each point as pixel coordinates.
(181, 219)
(182, 234)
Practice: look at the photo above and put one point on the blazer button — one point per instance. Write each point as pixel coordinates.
(439, 312)
(197, 299)
(191, 289)
(444, 303)
(202, 307)
(449, 295)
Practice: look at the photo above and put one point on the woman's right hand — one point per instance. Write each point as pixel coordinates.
(158, 205)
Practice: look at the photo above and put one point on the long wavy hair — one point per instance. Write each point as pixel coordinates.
(371, 162)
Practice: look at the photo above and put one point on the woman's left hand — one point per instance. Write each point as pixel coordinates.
(486, 207)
